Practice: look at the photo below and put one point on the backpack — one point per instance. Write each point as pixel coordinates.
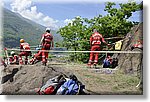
(106, 63)
(52, 85)
(71, 87)
(114, 63)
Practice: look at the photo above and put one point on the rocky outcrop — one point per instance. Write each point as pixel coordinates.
(27, 78)
(131, 63)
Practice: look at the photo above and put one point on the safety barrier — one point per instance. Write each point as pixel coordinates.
(132, 52)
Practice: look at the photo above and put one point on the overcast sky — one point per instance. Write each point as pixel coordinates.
(57, 13)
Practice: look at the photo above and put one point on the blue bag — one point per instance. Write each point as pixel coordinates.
(70, 87)
(106, 63)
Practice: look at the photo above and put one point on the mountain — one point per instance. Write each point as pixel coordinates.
(16, 27)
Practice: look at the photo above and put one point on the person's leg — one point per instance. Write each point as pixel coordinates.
(43, 57)
(46, 56)
(91, 56)
(26, 59)
(47, 48)
(36, 57)
(20, 57)
(97, 48)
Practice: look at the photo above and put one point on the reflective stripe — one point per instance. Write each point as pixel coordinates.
(93, 42)
(95, 61)
(96, 42)
(97, 34)
(90, 60)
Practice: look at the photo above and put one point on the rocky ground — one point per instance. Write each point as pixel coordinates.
(25, 79)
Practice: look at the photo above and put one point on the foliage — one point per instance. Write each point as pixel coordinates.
(77, 33)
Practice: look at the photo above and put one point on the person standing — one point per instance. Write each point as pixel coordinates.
(95, 42)
(46, 43)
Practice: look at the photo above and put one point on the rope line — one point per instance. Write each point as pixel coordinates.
(78, 51)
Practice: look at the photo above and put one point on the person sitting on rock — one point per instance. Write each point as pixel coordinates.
(138, 44)
(107, 62)
(14, 59)
(24, 46)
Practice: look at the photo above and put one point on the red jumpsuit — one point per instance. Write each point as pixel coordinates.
(46, 44)
(24, 46)
(95, 42)
(14, 59)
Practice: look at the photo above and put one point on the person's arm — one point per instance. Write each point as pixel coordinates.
(103, 40)
(15, 59)
(52, 43)
(21, 47)
(41, 40)
(91, 41)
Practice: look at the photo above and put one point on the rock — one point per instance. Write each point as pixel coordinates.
(131, 63)
(30, 77)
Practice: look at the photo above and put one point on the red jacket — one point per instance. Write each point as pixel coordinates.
(47, 38)
(96, 39)
(25, 46)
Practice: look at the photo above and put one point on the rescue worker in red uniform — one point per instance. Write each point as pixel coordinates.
(139, 44)
(14, 59)
(95, 42)
(24, 46)
(46, 43)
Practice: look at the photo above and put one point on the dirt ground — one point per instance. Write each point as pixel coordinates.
(104, 80)
(97, 81)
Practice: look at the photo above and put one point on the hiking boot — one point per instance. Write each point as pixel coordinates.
(89, 65)
(26, 62)
(94, 65)
(21, 62)
(32, 61)
(44, 63)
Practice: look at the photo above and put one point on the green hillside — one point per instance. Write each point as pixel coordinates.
(16, 27)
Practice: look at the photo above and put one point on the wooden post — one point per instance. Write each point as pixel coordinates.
(7, 57)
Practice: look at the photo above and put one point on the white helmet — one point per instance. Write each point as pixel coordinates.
(48, 29)
(12, 52)
(94, 30)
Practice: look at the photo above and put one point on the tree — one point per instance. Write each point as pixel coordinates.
(77, 33)
(116, 22)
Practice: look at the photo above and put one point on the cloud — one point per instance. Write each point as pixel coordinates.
(28, 10)
(2, 3)
(77, 1)
(83, 1)
(66, 21)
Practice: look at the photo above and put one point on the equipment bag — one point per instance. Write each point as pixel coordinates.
(71, 87)
(106, 63)
(52, 85)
